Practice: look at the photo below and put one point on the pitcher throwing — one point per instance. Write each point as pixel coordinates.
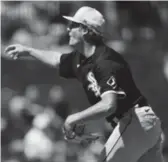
(109, 86)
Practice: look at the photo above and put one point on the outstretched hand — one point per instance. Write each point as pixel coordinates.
(15, 51)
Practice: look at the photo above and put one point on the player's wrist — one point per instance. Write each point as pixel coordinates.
(71, 120)
(28, 50)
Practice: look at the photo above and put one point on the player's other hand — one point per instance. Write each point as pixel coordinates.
(15, 51)
(68, 132)
(68, 128)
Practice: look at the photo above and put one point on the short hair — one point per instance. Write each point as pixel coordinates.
(92, 36)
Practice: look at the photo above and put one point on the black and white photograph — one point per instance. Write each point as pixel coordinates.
(84, 81)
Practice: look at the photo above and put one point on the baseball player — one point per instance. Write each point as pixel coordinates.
(109, 86)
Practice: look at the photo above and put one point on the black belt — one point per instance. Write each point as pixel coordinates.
(140, 102)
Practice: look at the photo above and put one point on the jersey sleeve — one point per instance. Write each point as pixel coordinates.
(66, 65)
(108, 77)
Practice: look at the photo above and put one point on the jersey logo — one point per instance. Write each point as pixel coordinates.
(93, 84)
(112, 82)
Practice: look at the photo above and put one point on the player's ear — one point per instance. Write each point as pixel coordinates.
(85, 30)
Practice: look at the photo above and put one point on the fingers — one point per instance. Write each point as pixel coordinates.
(13, 54)
(64, 133)
(68, 134)
(15, 57)
(11, 47)
(12, 51)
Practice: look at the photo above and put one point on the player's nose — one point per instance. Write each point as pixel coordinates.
(69, 31)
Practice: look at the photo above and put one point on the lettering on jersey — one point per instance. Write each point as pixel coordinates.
(93, 84)
(112, 82)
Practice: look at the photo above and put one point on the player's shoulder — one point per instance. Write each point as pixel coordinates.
(111, 58)
(72, 53)
(69, 55)
(114, 56)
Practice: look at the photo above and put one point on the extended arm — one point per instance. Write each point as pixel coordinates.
(51, 58)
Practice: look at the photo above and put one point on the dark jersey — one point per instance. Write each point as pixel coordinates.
(105, 71)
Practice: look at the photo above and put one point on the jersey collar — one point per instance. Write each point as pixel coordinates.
(100, 49)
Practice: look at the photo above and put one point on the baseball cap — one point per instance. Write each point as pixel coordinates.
(88, 16)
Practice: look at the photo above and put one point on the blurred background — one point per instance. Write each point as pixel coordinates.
(35, 101)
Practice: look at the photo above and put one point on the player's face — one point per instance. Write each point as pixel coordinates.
(75, 33)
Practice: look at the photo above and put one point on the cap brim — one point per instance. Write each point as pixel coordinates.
(70, 19)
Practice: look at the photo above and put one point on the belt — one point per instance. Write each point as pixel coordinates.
(140, 102)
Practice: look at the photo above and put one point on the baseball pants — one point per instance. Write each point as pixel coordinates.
(136, 138)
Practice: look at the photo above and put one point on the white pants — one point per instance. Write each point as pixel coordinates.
(136, 138)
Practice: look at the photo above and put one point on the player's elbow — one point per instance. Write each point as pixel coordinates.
(109, 101)
(110, 108)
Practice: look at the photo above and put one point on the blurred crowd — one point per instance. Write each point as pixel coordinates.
(31, 123)
(31, 132)
(33, 24)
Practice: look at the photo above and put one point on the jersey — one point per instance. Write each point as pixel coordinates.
(103, 72)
